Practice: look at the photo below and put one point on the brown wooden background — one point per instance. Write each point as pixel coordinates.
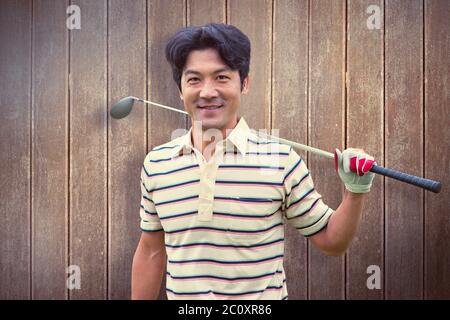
(69, 175)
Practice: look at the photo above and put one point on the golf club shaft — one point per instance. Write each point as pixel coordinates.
(161, 105)
(300, 146)
(432, 185)
(288, 142)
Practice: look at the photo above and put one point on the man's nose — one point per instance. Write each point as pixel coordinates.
(208, 91)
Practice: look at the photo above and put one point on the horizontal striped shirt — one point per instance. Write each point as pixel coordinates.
(224, 218)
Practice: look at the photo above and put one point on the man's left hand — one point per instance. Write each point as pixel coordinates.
(353, 167)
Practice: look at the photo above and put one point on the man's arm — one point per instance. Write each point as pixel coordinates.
(353, 166)
(342, 226)
(148, 266)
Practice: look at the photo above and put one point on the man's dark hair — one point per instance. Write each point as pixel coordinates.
(232, 45)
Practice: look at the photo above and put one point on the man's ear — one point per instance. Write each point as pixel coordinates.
(245, 84)
(181, 95)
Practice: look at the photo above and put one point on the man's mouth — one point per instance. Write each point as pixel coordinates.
(210, 107)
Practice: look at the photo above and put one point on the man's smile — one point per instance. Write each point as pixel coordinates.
(210, 107)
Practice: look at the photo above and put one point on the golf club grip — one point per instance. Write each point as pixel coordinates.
(428, 184)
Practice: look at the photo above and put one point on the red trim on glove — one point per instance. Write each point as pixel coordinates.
(360, 166)
(335, 160)
(353, 164)
(368, 165)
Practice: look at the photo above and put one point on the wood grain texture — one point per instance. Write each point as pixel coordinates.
(15, 90)
(326, 130)
(69, 180)
(290, 116)
(437, 142)
(127, 71)
(164, 19)
(254, 18)
(50, 196)
(88, 151)
(404, 148)
(365, 130)
(200, 12)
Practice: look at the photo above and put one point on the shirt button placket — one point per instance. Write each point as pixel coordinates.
(206, 196)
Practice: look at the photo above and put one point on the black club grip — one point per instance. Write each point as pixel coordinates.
(428, 184)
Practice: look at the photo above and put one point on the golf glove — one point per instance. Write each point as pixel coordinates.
(353, 167)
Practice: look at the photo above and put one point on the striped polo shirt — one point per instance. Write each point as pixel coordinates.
(223, 218)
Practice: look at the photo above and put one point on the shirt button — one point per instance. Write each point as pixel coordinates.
(206, 189)
(205, 213)
(209, 182)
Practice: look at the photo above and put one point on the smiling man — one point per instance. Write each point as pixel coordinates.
(214, 201)
(211, 92)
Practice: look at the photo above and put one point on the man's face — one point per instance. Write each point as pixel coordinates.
(211, 91)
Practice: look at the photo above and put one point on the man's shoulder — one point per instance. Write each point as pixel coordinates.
(164, 150)
(261, 141)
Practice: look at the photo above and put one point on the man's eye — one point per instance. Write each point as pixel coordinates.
(222, 77)
(190, 80)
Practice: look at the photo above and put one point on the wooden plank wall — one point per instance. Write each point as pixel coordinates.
(69, 180)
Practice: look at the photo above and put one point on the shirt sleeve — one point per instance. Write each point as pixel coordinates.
(149, 217)
(304, 208)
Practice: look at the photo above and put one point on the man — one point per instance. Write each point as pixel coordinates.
(214, 201)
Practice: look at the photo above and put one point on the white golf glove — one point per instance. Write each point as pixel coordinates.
(353, 167)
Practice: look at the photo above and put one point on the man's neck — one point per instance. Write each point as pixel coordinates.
(205, 141)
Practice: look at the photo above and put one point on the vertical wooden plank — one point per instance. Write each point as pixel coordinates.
(201, 12)
(365, 107)
(326, 129)
(404, 148)
(88, 140)
(289, 115)
(49, 150)
(165, 17)
(127, 66)
(437, 140)
(254, 18)
(15, 88)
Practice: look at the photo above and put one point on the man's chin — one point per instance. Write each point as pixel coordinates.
(218, 123)
(207, 124)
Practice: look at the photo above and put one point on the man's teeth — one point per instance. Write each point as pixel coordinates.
(211, 108)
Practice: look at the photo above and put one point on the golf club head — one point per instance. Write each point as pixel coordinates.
(122, 108)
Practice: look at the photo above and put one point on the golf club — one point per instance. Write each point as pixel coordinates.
(124, 106)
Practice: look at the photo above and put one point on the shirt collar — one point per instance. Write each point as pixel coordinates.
(237, 137)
